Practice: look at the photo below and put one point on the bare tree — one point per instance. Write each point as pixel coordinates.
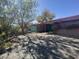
(25, 12)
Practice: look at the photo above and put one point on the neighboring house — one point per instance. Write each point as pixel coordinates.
(68, 26)
(68, 22)
(63, 23)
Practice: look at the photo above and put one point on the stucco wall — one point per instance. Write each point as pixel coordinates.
(69, 33)
(67, 24)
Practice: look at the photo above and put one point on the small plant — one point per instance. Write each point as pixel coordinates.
(4, 32)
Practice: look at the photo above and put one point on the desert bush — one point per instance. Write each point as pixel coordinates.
(15, 30)
(5, 28)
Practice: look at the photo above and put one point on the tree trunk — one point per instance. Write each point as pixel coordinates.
(22, 26)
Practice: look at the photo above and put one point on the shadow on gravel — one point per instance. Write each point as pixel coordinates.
(43, 51)
(3, 50)
(46, 49)
(65, 35)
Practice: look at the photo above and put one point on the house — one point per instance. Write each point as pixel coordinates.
(68, 22)
(62, 23)
(68, 26)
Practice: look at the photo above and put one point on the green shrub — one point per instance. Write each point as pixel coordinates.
(14, 30)
(5, 28)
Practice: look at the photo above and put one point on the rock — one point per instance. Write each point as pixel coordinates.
(21, 36)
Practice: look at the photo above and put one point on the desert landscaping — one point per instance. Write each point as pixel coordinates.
(43, 46)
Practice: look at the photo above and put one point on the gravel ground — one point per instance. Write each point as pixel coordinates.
(43, 46)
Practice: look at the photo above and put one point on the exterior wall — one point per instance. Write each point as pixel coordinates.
(69, 33)
(44, 27)
(41, 27)
(70, 23)
(69, 28)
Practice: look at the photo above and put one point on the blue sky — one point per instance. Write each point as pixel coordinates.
(61, 8)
